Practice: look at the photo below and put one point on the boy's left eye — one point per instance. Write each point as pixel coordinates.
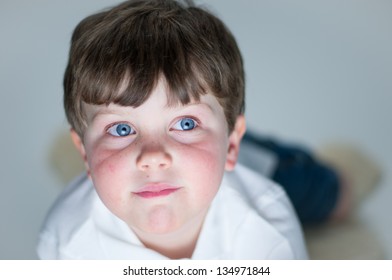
(185, 124)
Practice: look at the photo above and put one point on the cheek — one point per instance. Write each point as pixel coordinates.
(204, 164)
(107, 170)
(105, 162)
(208, 153)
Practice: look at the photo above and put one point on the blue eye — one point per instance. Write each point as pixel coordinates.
(185, 124)
(121, 130)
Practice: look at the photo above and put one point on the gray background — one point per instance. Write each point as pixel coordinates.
(317, 71)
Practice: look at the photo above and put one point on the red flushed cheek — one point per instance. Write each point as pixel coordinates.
(106, 162)
(111, 168)
(211, 153)
(103, 164)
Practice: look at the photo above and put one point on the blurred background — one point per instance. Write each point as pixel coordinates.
(317, 72)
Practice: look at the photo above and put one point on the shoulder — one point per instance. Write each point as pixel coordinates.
(258, 191)
(269, 214)
(73, 204)
(70, 210)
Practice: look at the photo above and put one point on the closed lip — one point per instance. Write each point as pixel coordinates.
(156, 190)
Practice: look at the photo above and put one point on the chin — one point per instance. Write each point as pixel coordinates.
(161, 220)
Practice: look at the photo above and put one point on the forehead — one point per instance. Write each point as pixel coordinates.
(157, 102)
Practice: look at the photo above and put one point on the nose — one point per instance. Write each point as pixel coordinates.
(153, 158)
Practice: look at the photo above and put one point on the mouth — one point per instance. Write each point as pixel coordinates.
(156, 190)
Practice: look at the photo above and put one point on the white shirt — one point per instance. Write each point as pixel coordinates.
(249, 218)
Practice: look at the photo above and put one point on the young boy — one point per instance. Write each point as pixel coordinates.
(154, 93)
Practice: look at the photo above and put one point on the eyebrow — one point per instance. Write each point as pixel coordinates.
(116, 111)
(106, 111)
(191, 104)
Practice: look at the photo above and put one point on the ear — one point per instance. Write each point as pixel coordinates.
(80, 147)
(234, 142)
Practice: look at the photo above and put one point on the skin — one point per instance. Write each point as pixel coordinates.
(160, 179)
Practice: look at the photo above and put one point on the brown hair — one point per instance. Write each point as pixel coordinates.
(138, 41)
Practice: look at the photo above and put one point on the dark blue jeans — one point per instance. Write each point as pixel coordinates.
(312, 186)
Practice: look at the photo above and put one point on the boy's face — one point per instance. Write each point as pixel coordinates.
(157, 167)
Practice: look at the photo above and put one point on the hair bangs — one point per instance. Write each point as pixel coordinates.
(125, 68)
